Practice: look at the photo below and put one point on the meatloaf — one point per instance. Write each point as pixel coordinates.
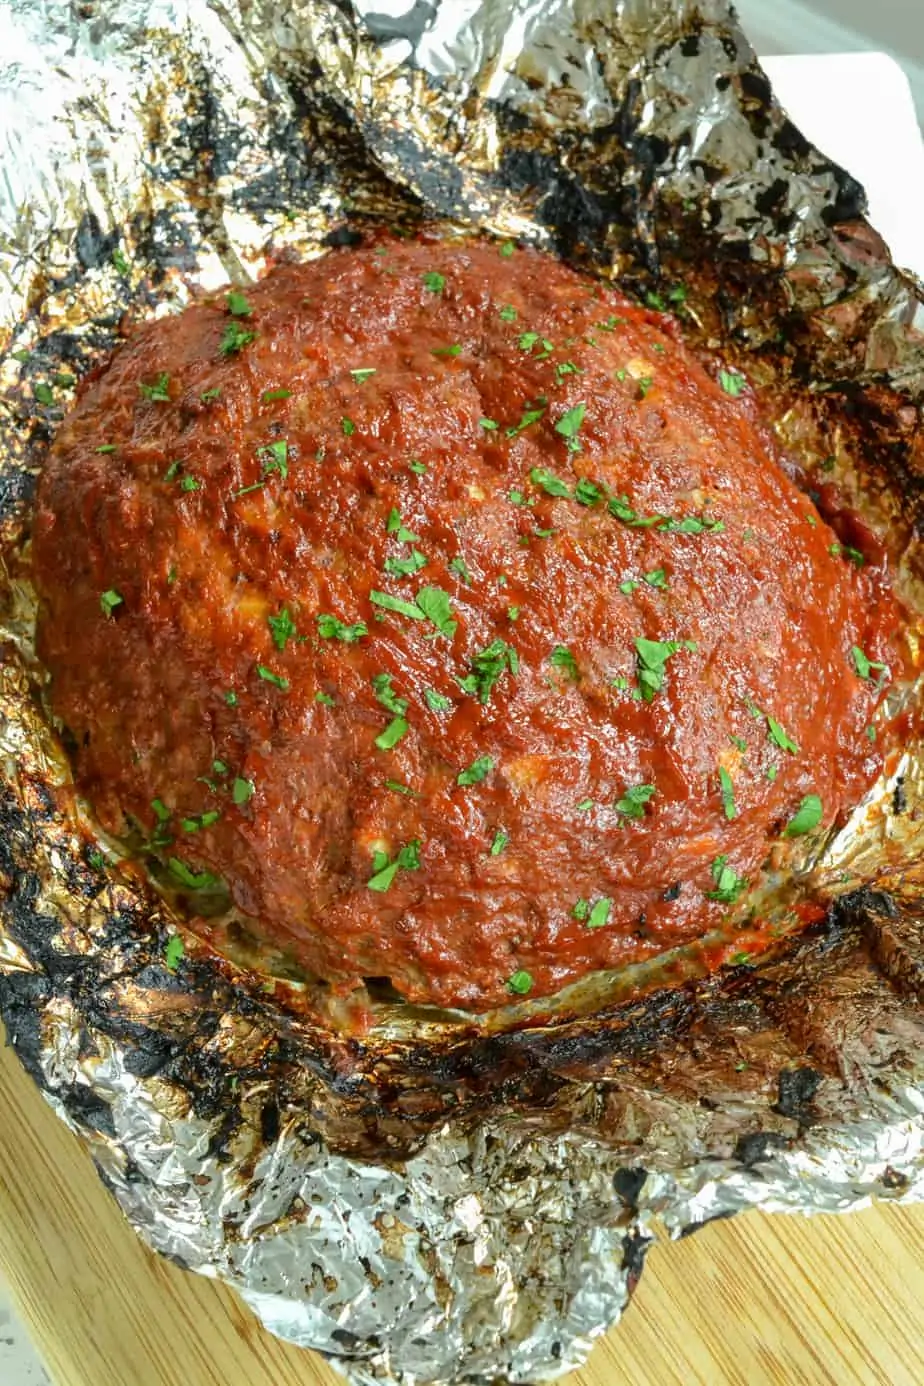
(442, 604)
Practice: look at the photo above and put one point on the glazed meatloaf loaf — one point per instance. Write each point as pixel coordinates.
(441, 604)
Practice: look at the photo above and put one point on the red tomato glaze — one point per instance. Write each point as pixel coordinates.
(349, 575)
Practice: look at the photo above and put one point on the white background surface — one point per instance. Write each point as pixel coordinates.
(857, 108)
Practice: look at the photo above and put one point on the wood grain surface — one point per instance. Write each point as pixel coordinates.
(742, 1303)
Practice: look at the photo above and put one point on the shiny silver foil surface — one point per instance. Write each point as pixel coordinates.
(464, 1197)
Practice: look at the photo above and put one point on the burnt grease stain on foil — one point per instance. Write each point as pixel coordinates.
(451, 1199)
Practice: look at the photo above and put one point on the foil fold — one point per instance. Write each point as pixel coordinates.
(425, 1204)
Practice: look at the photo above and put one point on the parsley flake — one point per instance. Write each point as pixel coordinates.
(174, 952)
(807, 816)
(530, 416)
(435, 605)
(268, 676)
(476, 772)
(508, 313)
(507, 249)
(454, 350)
(521, 983)
(436, 702)
(562, 658)
(500, 842)
(384, 871)
(238, 306)
(110, 600)
(159, 391)
(569, 425)
(728, 884)
(728, 793)
(274, 457)
(269, 396)
(387, 696)
(195, 880)
(779, 737)
(363, 374)
(235, 338)
(406, 567)
(348, 427)
(633, 801)
(732, 383)
(459, 566)
(282, 627)
(396, 604)
(549, 482)
(242, 790)
(392, 734)
(489, 425)
(325, 698)
(657, 578)
(119, 261)
(864, 665)
(395, 525)
(652, 658)
(331, 628)
(599, 914)
(434, 281)
(487, 667)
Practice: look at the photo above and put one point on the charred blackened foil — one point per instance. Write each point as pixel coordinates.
(450, 1197)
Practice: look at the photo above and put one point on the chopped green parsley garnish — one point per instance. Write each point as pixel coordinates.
(394, 525)
(728, 793)
(269, 396)
(45, 394)
(231, 698)
(161, 812)
(268, 676)
(728, 884)
(406, 567)
(325, 698)
(632, 804)
(274, 458)
(195, 880)
(435, 605)
(652, 657)
(189, 483)
(521, 983)
(772, 772)
(844, 550)
(459, 566)
(347, 426)
(235, 338)
(530, 416)
(65, 379)
(584, 806)
(657, 578)
(587, 492)
(476, 772)
(392, 734)
(508, 313)
(454, 350)
(396, 604)
(159, 391)
(418, 467)
(436, 702)
(564, 368)
(569, 425)
(807, 816)
(489, 425)
(174, 952)
(242, 790)
(500, 842)
(385, 871)
(779, 737)
(209, 395)
(645, 383)
(732, 383)
(599, 914)
(549, 482)
(740, 742)
(110, 600)
(238, 306)
(283, 628)
(864, 665)
(620, 507)
(507, 249)
(434, 281)
(171, 575)
(331, 628)
(562, 658)
(487, 667)
(172, 471)
(628, 587)
(513, 613)
(871, 733)
(399, 788)
(119, 261)
(364, 373)
(692, 524)
(106, 447)
(580, 909)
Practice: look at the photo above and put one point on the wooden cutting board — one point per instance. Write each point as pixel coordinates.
(753, 1301)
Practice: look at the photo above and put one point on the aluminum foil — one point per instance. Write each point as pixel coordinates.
(443, 1199)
